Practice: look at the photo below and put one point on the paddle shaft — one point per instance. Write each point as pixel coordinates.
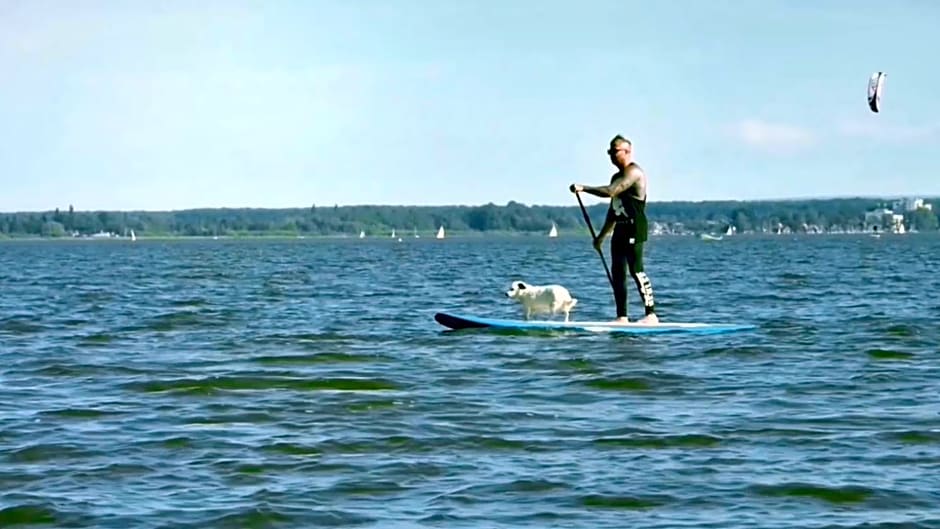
(600, 252)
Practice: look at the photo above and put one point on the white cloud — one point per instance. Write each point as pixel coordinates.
(783, 138)
(773, 137)
(883, 130)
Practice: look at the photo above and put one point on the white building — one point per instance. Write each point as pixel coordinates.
(884, 220)
(897, 223)
(879, 219)
(912, 204)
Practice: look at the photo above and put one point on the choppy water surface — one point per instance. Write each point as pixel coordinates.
(304, 383)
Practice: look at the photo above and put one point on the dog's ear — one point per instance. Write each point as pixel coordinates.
(521, 285)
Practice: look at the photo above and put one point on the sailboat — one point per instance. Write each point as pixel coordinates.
(133, 236)
(440, 232)
(362, 234)
(554, 231)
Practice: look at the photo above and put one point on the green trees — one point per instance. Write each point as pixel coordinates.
(924, 219)
(672, 217)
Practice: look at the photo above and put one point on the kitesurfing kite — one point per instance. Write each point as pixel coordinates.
(875, 86)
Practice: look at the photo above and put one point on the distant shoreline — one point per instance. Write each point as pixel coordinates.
(651, 203)
(712, 218)
(457, 236)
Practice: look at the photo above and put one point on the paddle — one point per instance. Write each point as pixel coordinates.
(587, 219)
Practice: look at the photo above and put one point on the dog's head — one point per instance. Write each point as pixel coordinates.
(517, 289)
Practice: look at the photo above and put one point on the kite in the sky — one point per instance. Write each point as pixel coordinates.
(875, 86)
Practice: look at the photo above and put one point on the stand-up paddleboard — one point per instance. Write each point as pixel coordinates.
(463, 321)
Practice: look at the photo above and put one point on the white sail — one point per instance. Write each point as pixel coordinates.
(554, 231)
(440, 232)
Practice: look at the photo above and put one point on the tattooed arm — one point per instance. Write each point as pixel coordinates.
(616, 187)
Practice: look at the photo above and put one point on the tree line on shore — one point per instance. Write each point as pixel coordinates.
(680, 217)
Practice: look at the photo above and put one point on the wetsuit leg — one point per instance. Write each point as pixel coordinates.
(634, 253)
(620, 258)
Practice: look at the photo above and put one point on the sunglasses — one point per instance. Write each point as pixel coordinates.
(614, 151)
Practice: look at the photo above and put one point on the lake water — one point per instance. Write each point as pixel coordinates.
(304, 383)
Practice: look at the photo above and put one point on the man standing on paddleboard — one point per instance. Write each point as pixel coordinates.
(626, 217)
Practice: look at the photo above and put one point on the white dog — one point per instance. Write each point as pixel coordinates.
(550, 299)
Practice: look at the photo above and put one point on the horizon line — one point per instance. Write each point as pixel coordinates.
(817, 198)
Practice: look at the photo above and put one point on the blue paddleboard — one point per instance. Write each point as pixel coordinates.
(463, 321)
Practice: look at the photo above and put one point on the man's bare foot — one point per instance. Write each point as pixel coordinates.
(622, 319)
(649, 319)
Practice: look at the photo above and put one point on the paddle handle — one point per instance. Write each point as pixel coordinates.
(587, 219)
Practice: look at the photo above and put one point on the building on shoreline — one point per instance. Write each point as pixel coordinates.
(909, 205)
(889, 220)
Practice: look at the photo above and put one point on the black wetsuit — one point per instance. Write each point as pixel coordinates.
(631, 230)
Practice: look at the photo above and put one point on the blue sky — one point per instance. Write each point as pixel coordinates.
(180, 104)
